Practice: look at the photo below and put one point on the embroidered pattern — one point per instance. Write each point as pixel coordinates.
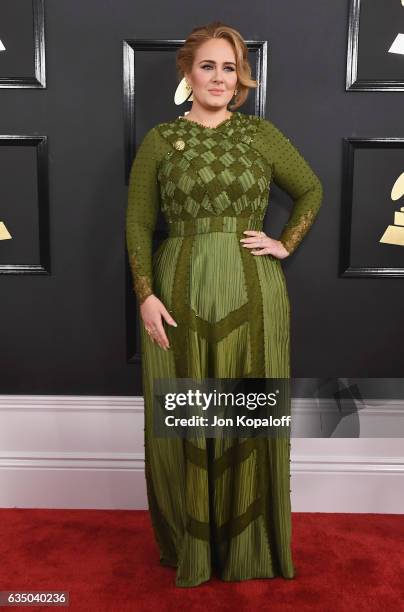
(293, 234)
(142, 283)
(216, 170)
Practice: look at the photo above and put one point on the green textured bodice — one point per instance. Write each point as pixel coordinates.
(199, 175)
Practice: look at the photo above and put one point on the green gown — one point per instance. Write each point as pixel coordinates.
(221, 506)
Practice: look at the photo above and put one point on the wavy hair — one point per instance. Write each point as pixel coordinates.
(201, 34)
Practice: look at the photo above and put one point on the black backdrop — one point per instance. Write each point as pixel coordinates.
(66, 332)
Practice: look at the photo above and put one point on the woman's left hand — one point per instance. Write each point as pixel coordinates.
(263, 244)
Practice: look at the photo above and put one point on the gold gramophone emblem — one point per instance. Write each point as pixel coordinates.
(4, 233)
(394, 234)
(179, 145)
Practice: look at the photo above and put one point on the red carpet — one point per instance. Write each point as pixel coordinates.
(108, 561)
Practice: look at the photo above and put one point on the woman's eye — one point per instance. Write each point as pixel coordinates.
(209, 66)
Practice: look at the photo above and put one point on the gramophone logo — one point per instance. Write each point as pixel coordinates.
(394, 234)
(4, 233)
(398, 43)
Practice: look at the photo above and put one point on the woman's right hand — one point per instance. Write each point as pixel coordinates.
(153, 312)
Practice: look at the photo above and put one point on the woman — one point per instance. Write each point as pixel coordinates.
(214, 303)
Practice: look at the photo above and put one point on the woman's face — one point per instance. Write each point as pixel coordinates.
(214, 76)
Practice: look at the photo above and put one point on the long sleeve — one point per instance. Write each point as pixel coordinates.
(141, 215)
(293, 174)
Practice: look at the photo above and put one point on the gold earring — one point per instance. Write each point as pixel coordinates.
(183, 93)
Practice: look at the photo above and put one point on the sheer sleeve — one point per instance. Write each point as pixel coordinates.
(141, 215)
(293, 174)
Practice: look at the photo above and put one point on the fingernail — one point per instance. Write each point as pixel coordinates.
(175, 324)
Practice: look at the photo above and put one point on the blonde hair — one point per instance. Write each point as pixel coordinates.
(201, 34)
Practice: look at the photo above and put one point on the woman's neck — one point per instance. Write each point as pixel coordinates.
(208, 119)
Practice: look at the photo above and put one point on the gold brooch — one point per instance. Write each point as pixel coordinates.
(179, 145)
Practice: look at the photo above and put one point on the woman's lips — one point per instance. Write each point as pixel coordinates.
(216, 92)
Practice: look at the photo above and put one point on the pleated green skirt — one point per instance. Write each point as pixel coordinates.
(219, 506)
